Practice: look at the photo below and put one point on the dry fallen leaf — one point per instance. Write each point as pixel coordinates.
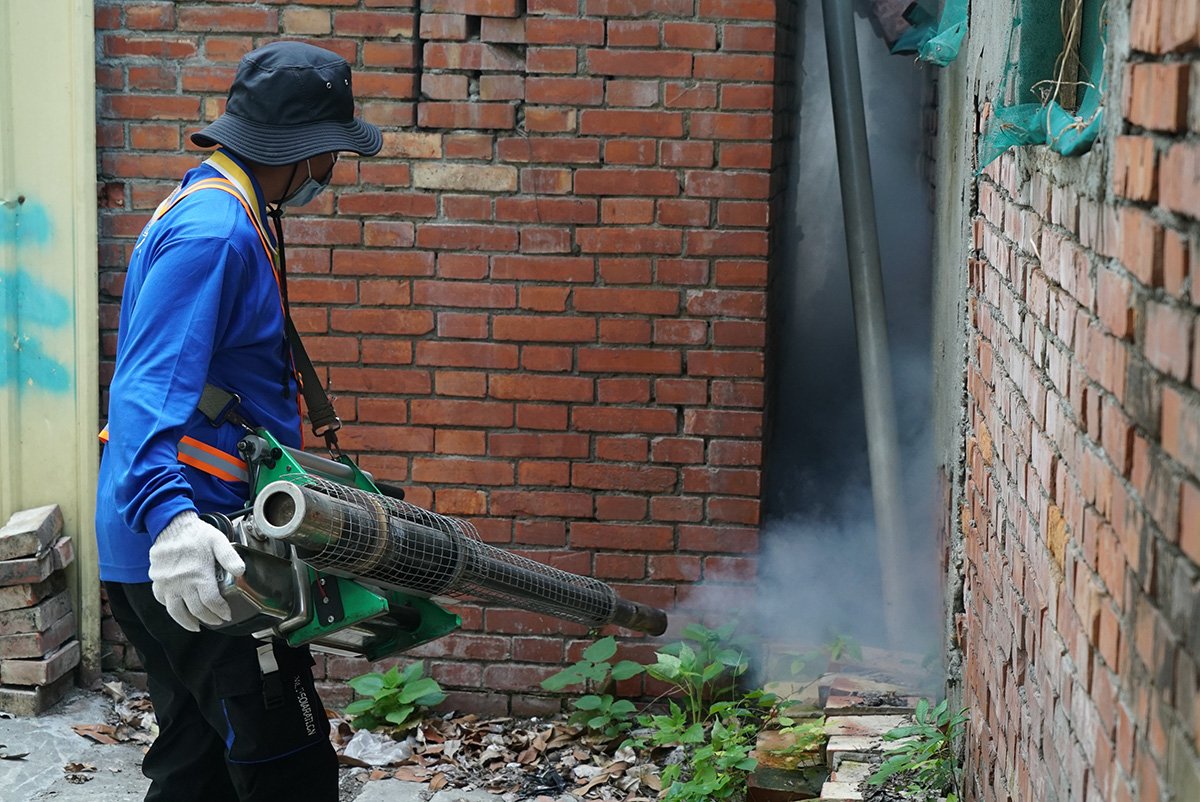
(115, 690)
(602, 776)
(646, 774)
(73, 768)
(410, 775)
(100, 733)
(518, 758)
(625, 755)
(491, 754)
(559, 741)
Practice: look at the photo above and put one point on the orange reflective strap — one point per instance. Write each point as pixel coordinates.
(212, 461)
(204, 457)
(225, 185)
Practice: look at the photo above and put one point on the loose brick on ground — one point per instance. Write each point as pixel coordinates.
(28, 532)
(32, 570)
(42, 671)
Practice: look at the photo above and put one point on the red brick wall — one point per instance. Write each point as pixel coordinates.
(1082, 510)
(541, 307)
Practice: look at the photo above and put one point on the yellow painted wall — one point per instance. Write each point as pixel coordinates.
(48, 306)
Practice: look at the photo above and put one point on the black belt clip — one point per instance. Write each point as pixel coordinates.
(221, 406)
(272, 681)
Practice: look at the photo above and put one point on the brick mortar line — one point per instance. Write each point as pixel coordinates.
(1168, 219)
(1127, 615)
(1133, 353)
(1014, 595)
(1064, 405)
(1096, 261)
(1097, 448)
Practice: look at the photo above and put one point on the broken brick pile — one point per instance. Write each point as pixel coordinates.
(38, 645)
(860, 702)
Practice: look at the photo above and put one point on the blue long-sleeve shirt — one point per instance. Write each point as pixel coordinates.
(201, 305)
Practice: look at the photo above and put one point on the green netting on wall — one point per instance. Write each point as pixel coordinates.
(934, 40)
(1039, 43)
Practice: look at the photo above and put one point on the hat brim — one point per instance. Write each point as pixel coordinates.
(288, 144)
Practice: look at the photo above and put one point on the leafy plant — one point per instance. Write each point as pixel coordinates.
(673, 728)
(601, 713)
(719, 751)
(394, 697)
(838, 646)
(842, 646)
(807, 734)
(700, 673)
(712, 721)
(923, 761)
(710, 643)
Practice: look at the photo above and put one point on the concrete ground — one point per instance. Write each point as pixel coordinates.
(51, 745)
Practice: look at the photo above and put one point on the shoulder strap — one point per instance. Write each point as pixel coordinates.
(219, 405)
(324, 420)
(225, 185)
(321, 413)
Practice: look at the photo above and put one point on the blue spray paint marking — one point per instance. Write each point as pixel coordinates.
(24, 223)
(26, 305)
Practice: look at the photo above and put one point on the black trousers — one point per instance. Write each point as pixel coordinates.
(227, 731)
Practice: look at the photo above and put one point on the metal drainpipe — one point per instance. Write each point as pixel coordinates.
(866, 288)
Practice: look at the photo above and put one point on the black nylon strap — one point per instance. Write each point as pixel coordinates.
(220, 406)
(321, 414)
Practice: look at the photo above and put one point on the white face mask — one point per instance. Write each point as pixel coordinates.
(308, 190)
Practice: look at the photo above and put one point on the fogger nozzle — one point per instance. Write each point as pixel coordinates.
(394, 544)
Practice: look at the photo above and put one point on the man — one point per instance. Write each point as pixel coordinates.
(204, 307)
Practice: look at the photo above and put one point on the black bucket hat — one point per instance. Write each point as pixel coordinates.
(290, 101)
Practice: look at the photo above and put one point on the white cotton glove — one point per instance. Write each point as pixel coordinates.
(183, 568)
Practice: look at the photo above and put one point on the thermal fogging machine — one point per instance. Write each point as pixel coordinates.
(342, 563)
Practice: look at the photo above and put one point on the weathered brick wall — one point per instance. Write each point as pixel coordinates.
(541, 307)
(1082, 503)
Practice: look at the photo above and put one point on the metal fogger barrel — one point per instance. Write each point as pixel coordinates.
(393, 544)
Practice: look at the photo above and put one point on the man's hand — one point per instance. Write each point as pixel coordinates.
(183, 568)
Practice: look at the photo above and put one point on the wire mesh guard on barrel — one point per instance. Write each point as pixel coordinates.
(350, 532)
